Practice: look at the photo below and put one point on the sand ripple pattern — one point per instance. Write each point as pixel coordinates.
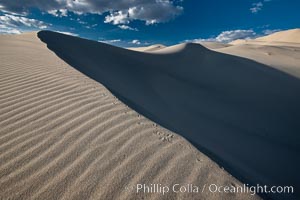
(65, 136)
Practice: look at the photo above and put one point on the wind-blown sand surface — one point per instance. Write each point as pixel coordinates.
(284, 58)
(241, 113)
(288, 36)
(214, 45)
(155, 47)
(281, 38)
(148, 48)
(280, 50)
(65, 136)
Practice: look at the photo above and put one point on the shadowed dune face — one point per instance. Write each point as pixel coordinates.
(65, 136)
(242, 113)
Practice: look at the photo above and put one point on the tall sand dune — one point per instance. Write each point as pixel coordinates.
(238, 41)
(284, 58)
(155, 47)
(214, 45)
(241, 113)
(291, 36)
(148, 48)
(65, 136)
(281, 38)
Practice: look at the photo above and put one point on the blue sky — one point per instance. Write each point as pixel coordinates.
(146, 22)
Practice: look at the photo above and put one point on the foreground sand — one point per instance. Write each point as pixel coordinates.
(65, 136)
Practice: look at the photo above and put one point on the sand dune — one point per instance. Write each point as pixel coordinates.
(280, 50)
(65, 136)
(281, 38)
(240, 112)
(284, 58)
(238, 41)
(214, 45)
(148, 48)
(289, 36)
(156, 47)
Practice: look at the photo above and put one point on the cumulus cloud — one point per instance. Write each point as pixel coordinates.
(135, 42)
(17, 21)
(59, 13)
(8, 30)
(14, 24)
(149, 11)
(228, 36)
(119, 12)
(118, 17)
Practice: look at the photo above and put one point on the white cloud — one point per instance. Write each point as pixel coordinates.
(119, 17)
(67, 33)
(7, 30)
(125, 27)
(19, 21)
(270, 31)
(256, 7)
(136, 42)
(110, 41)
(14, 24)
(202, 40)
(228, 36)
(162, 11)
(58, 13)
(81, 22)
(91, 26)
(119, 12)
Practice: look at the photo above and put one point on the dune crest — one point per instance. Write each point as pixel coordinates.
(214, 45)
(279, 50)
(65, 136)
(280, 38)
(289, 36)
(154, 47)
(236, 110)
(183, 47)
